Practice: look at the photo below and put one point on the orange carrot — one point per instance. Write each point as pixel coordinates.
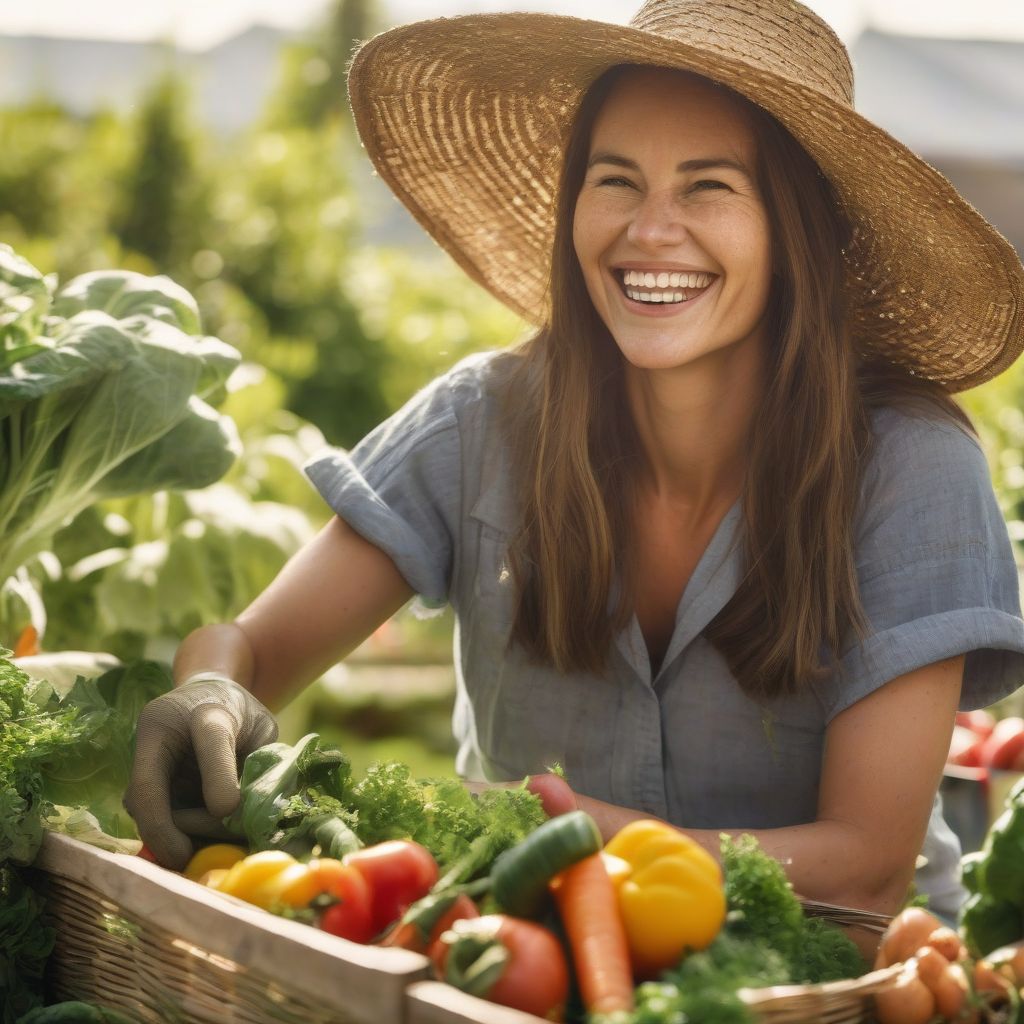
(589, 908)
(28, 643)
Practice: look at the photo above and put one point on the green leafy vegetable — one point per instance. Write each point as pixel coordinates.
(73, 751)
(994, 914)
(295, 798)
(705, 986)
(30, 737)
(106, 388)
(762, 905)
(25, 944)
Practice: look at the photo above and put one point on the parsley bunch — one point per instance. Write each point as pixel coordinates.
(30, 737)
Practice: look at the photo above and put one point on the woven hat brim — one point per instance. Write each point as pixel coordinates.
(466, 120)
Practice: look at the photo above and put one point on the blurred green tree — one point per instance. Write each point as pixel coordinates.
(312, 86)
(161, 182)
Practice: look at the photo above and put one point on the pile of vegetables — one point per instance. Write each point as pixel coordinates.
(524, 910)
(108, 388)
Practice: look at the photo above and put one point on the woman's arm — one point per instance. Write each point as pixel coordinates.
(881, 768)
(331, 595)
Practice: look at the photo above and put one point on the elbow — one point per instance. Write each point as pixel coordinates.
(881, 887)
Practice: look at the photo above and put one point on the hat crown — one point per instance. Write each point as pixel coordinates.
(781, 36)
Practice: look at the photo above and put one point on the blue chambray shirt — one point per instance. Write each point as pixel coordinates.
(430, 487)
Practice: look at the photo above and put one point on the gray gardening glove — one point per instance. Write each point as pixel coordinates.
(189, 750)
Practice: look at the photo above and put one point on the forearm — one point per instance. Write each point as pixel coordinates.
(219, 647)
(825, 860)
(225, 648)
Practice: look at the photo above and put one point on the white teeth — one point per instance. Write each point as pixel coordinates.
(664, 279)
(655, 296)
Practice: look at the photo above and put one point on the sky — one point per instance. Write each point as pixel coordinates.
(197, 24)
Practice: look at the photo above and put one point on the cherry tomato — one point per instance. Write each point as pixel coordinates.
(399, 872)
(350, 916)
(536, 976)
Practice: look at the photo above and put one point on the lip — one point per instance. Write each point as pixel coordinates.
(660, 265)
(658, 310)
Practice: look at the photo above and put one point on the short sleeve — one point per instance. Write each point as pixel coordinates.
(401, 486)
(936, 569)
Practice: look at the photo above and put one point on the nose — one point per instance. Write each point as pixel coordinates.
(658, 221)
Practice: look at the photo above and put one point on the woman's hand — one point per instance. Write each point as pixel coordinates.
(189, 745)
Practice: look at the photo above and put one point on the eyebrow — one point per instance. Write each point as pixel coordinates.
(700, 164)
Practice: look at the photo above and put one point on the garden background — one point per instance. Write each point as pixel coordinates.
(269, 230)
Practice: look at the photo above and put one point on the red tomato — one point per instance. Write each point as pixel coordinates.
(1005, 745)
(965, 747)
(409, 935)
(147, 854)
(981, 721)
(555, 794)
(536, 976)
(350, 917)
(399, 872)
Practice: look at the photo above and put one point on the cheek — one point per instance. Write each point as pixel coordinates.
(581, 234)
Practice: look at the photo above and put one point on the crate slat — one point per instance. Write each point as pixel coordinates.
(161, 948)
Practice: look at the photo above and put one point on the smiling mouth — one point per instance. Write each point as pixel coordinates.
(663, 287)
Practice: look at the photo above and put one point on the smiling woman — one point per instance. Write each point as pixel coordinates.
(717, 536)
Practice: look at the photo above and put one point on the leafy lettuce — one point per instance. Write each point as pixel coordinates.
(107, 389)
(72, 751)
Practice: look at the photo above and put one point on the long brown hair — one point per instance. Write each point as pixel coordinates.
(578, 459)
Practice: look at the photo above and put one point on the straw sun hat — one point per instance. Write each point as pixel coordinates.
(466, 119)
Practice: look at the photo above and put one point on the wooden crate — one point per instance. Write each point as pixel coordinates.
(137, 938)
(160, 948)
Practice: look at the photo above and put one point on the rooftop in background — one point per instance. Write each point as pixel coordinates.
(944, 98)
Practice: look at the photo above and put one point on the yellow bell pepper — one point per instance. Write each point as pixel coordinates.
(673, 899)
(219, 855)
(262, 878)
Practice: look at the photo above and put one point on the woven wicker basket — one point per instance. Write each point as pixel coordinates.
(145, 941)
(160, 948)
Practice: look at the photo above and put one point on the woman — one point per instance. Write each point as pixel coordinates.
(717, 538)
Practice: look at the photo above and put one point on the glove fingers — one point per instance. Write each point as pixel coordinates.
(264, 731)
(148, 798)
(214, 731)
(197, 821)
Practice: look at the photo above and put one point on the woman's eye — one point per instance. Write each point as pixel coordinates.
(709, 183)
(616, 182)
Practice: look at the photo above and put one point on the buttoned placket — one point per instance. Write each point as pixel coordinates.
(711, 585)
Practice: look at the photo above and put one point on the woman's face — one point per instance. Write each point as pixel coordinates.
(670, 228)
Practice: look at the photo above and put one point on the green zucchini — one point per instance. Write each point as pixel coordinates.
(520, 875)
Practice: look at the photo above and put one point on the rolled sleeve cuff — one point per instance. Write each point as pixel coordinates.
(992, 639)
(352, 497)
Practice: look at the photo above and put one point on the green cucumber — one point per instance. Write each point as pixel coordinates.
(520, 876)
